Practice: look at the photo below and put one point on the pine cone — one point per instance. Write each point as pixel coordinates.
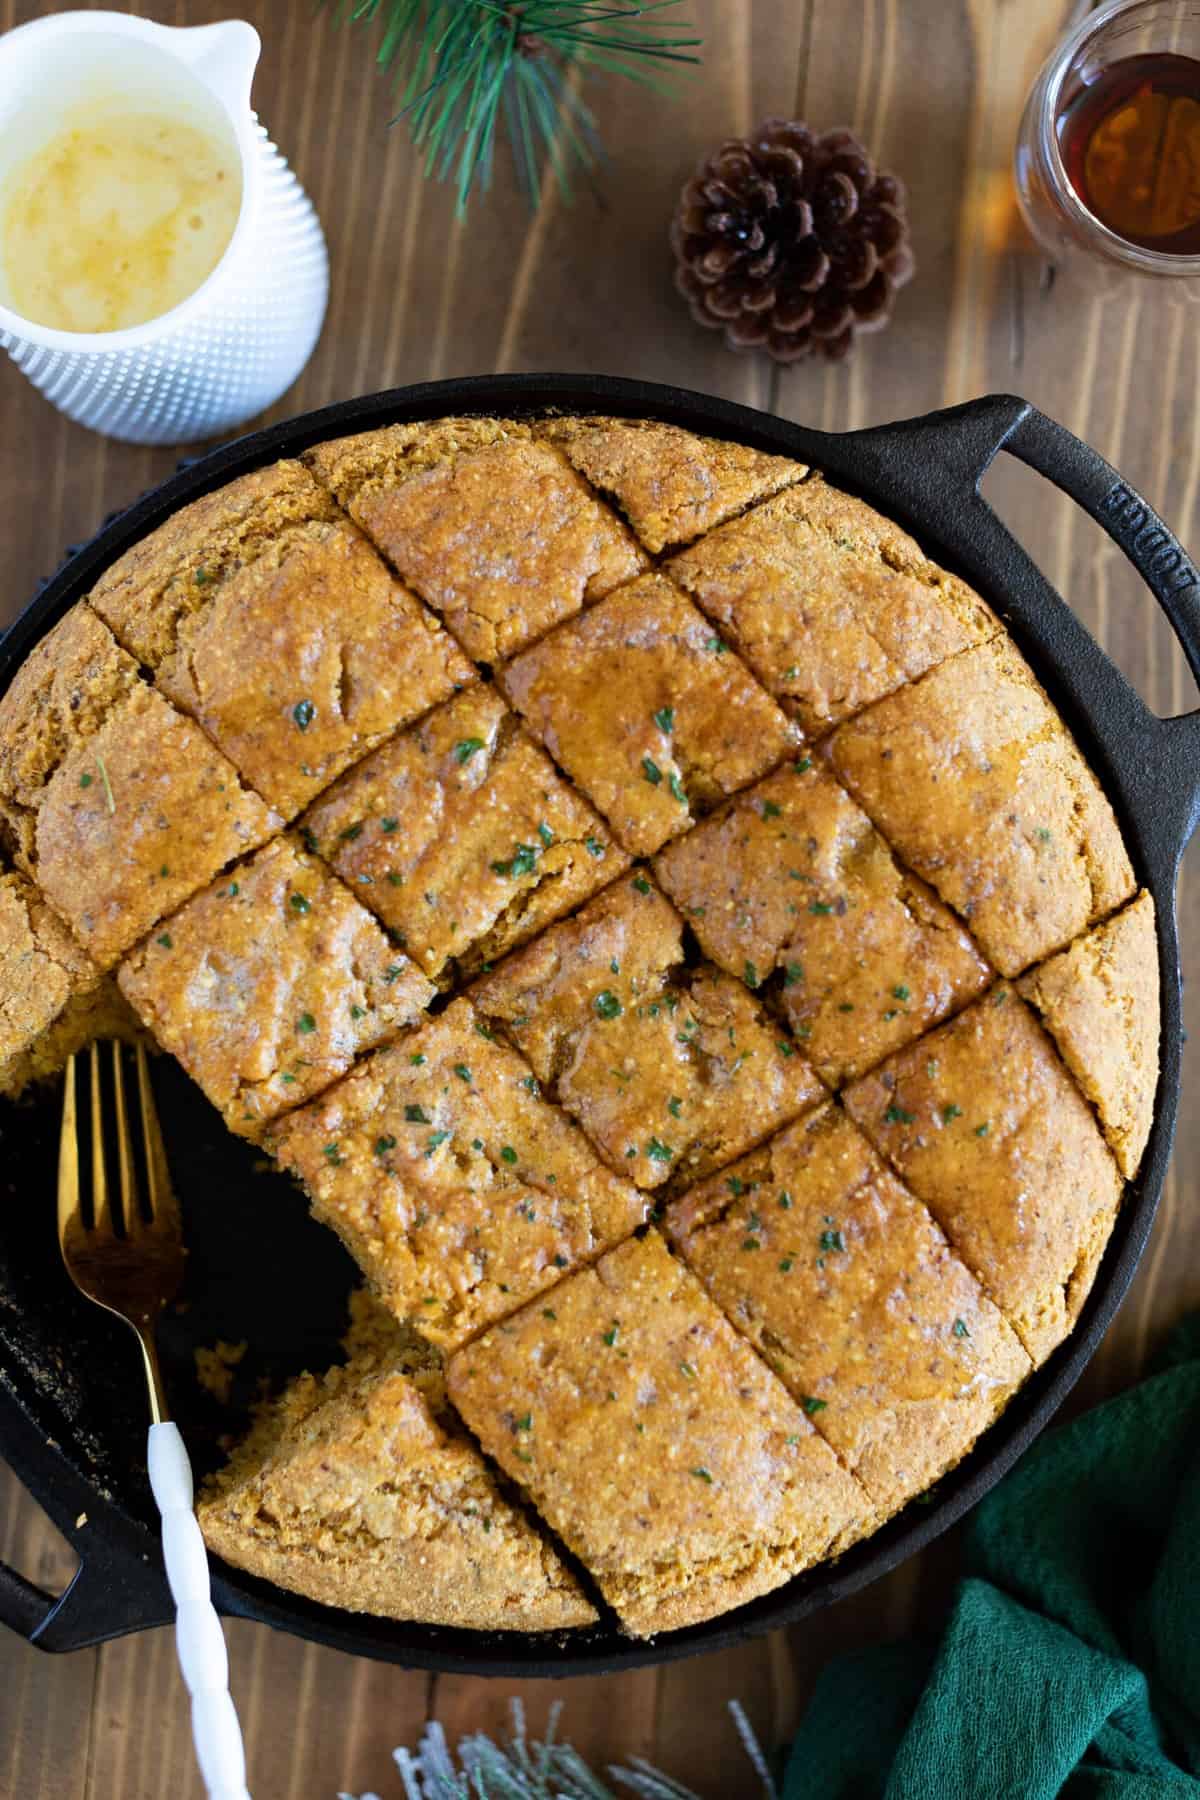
(791, 242)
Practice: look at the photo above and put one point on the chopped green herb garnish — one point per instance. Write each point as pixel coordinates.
(304, 712)
(819, 906)
(790, 674)
(465, 749)
(651, 771)
(435, 1138)
(783, 1045)
(960, 1328)
(559, 1261)
(896, 1115)
(951, 1112)
(751, 1243)
(606, 1005)
(548, 1312)
(785, 1266)
(900, 992)
(1044, 834)
(792, 974)
(831, 1241)
(383, 1145)
(463, 1073)
(657, 1151)
(165, 939)
(306, 1023)
(388, 825)
(641, 884)
(703, 1474)
(416, 1115)
(85, 781)
(593, 846)
(785, 1200)
(611, 1335)
(484, 1031)
(674, 1105)
(846, 1006)
(802, 765)
(393, 972)
(233, 890)
(687, 1371)
(508, 1154)
(811, 1404)
(522, 862)
(298, 903)
(333, 1153)
(678, 791)
(664, 718)
(982, 1130)
(736, 1185)
(525, 1423)
(770, 810)
(350, 833)
(546, 835)
(416, 1059)
(717, 646)
(750, 975)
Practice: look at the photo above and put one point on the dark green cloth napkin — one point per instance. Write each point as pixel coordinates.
(1070, 1663)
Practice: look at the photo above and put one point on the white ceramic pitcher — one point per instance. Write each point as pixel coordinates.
(230, 348)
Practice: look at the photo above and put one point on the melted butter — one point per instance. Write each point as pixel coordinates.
(115, 220)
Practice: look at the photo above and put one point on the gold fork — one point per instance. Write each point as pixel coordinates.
(129, 1258)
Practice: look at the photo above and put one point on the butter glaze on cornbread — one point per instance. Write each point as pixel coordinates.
(397, 718)
(655, 1442)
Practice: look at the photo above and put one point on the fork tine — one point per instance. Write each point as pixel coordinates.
(130, 1211)
(102, 1212)
(68, 1158)
(160, 1195)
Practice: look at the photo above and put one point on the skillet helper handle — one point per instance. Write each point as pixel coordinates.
(199, 1640)
(1133, 525)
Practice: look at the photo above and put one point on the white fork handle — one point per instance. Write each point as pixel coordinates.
(199, 1639)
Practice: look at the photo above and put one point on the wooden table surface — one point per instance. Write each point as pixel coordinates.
(935, 87)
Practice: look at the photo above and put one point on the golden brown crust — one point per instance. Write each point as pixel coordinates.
(671, 1070)
(462, 836)
(458, 1189)
(791, 887)
(724, 1492)
(1099, 1001)
(670, 484)
(352, 1490)
(496, 532)
(643, 705)
(149, 594)
(973, 778)
(831, 604)
(136, 818)
(61, 695)
(984, 1124)
(270, 983)
(850, 1291)
(51, 992)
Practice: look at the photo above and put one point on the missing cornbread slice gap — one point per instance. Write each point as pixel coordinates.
(359, 1489)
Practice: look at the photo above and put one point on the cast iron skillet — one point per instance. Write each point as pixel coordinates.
(71, 1406)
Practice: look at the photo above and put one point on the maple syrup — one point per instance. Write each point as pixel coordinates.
(1130, 143)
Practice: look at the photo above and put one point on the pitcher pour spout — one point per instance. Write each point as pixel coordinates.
(223, 57)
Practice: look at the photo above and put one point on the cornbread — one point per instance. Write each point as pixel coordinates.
(456, 1187)
(659, 920)
(268, 985)
(845, 1284)
(984, 1124)
(462, 836)
(655, 1442)
(972, 777)
(642, 705)
(671, 1070)
(670, 484)
(503, 540)
(1099, 1001)
(353, 1490)
(792, 886)
(831, 605)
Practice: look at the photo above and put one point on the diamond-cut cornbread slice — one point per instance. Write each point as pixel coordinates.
(497, 532)
(277, 626)
(268, 984)
(646, 708)
(831, 604)
(1099, 1001)
(791, 884)
(60, 695)
(136, 817)
(53, 998)
(973, 778)
(670, 484)
(982, 1121)
(671, 1069)
(844, 1282)
(355, 1490)
(458, 1189)
(655, 1442)
(462, 836)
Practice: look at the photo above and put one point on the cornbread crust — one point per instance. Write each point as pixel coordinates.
(148, 595)
(850, 1291)
(984, 1124)
(267, 985)
(791, 885)
(53, 998)
(61, 695)
(352, 1490)
(670, 1070)
(495, 531)
(971, 775)
(647, 711)
(670, 484)
(462, 836)
(306, 659)
(136, 817)
(1099, 1002)
(831, 604)
(724, 1494)
(459, 1191)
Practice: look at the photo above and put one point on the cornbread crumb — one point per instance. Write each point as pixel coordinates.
(215, 1366)
(1099, 1002)
(725, 1490)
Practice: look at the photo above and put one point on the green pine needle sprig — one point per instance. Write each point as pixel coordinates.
(462, 67)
